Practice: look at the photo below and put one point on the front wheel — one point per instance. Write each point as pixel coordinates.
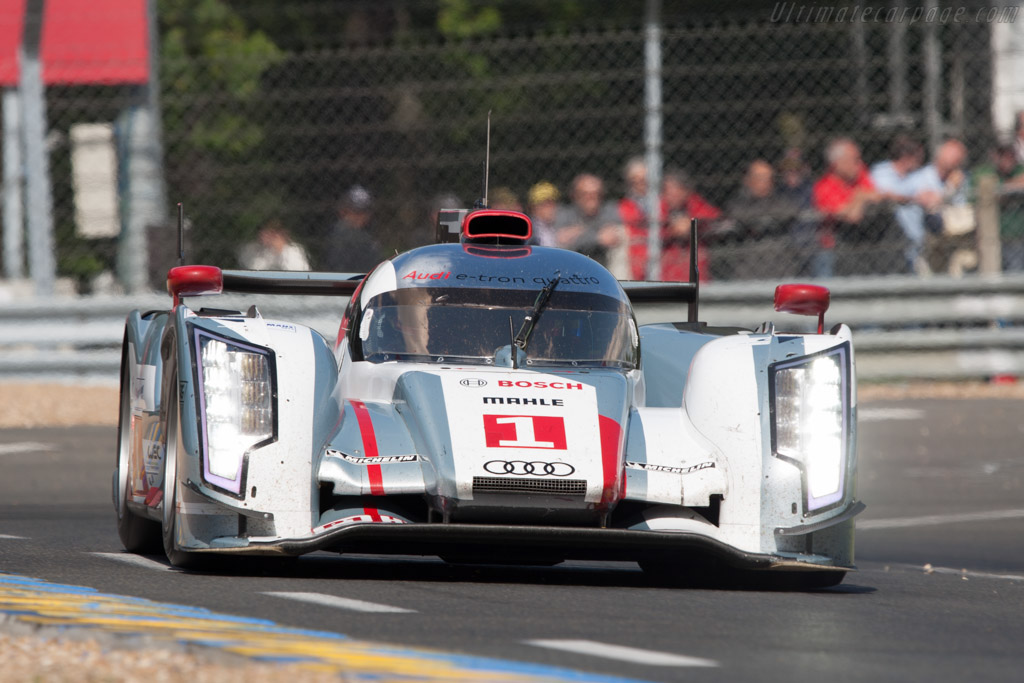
(176, 556)
(138, 534)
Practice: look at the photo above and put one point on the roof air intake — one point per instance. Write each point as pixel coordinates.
(489, 226)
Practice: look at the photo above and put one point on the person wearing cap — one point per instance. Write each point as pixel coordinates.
(351, 246)
(543, 207)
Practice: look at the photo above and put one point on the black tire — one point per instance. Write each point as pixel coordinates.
(138, 534)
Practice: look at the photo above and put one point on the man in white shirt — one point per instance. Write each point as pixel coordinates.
(893, 179)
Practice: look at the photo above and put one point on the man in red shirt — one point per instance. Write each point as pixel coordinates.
(679, 203)
(843, 195)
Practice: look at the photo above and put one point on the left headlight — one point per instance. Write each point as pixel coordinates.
(810, 428)
(236, 387)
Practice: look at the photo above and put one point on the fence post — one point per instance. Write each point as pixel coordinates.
(987, 207)
(652, 134)
(932, 54)
(13, 186)
(39, 198)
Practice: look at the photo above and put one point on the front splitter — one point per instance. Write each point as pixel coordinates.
(516, 541)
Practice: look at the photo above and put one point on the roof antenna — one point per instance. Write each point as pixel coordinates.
(181, 234)
(482, 204)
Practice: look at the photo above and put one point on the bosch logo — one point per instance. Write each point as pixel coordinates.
(472, 382)
(524, 384)
(521, 468)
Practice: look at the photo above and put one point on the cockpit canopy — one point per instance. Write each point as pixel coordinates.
(454, 303)
(477, 326)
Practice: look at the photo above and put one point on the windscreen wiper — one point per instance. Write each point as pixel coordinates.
(523, 336)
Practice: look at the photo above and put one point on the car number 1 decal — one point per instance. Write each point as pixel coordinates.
(525, 431)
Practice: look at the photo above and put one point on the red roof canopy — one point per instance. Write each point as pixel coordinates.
(12, 20)
(84, 42)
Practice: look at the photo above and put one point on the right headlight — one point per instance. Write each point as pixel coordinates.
(810, 423)
(237, 395)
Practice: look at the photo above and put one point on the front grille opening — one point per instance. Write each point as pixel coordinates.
(561, 487)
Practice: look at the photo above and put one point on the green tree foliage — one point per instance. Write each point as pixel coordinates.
(212, 70)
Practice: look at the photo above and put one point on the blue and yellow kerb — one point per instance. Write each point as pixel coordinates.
(36, 602)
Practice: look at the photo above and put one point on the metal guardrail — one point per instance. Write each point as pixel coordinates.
(904, 328)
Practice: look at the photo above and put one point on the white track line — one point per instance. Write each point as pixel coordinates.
(19, 538)
(137, 560)
(622, 653)
(337, 602)
(884, 414)
(973, 574)
(934, 520)
(928, 569)
(25, 447)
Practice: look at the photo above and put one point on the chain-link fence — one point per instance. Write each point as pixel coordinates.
(342, 125)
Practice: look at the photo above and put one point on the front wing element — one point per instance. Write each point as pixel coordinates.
(565, 542)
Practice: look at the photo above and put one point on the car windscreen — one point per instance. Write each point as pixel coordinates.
(470, 325)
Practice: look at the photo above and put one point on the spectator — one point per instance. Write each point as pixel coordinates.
(1009, 174)
(797, 189)
(761, 219)
(590, 225)
(351, 246)
(894, 180)
(680, 203)
(635, 213)
(943, 189)
(844, 195)
(273, 249)
(505, 199)
(1018, 136)
(543, 208)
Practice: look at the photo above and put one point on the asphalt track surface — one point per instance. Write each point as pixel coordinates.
(939, 595)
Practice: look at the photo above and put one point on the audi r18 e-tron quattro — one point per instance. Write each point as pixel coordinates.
(488, 400)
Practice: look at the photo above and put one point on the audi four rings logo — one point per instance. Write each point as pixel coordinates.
(473, 382)
(536, 468)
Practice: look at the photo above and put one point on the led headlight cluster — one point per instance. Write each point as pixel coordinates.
(237, 394)
(810, 409)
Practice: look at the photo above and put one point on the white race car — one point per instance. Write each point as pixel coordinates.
(489, 400)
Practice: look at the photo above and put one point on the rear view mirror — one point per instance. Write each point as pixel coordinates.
(194, 280)
(803, 300)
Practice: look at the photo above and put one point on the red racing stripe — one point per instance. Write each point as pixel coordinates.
(369, 447)
(611, 440)
(374, 513)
